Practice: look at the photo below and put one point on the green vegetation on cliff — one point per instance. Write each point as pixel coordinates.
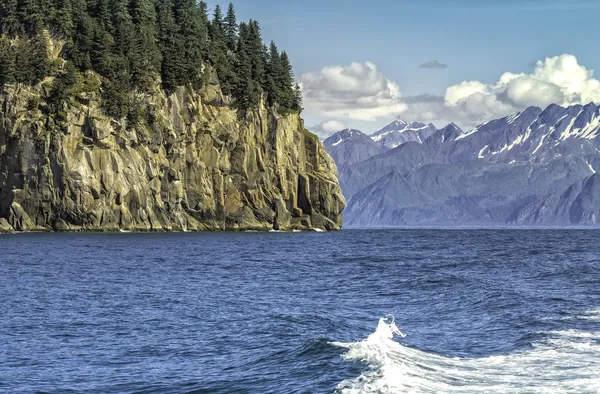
(147, 115)
(130, 43)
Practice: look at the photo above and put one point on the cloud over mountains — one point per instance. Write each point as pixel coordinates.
(360, 91)
(325, 129)
(560, 80)
(356, 91)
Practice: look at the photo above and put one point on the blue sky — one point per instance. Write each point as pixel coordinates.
(477, 40)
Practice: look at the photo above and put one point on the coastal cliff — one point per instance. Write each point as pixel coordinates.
(189, 162)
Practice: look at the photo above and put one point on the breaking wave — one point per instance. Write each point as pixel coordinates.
(564, 361)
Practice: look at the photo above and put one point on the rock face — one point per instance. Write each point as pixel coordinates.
(192, 164)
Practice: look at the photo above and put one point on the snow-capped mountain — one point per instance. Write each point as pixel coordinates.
(449, 133)
(532, 167)
(350, 146)
(400, 131)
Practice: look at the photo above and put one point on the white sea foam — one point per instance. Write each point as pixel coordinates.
(566, 361)
(593, 315)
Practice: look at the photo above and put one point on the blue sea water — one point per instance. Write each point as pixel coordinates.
(486, 311)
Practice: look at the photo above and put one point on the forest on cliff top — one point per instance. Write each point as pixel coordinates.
(131, 43)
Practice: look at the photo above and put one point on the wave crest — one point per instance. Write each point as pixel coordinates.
(565, 361)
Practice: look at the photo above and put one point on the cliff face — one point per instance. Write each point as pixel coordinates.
(191, 164)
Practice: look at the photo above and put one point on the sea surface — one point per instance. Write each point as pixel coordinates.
(359, 311)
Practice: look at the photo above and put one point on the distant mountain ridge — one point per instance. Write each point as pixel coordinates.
(532, 167)
(351, 146)
(400, 131)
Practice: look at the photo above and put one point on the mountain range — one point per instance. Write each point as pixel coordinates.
(535, 167)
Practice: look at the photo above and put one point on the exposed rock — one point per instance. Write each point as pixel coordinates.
(5, 227)
(192, 164)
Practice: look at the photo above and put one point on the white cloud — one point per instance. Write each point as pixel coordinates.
(457, 92)
(357, 91)
(361, 92)
(560, 80)
(325, 129)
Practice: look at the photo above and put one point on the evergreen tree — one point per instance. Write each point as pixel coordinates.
(124, 35)
(83, 36)
(130, 42)
(32, 15)
(273, 72)
(218, 53)
(62, 16)
(246, 92)
(145, 55)
(7, 61)
(10, 22)
(217, 22)
(231, 28)
(191, 37)
(32, 62)
(62, 87)
(168, 43)
(103, 48)
(102, 14)
(297, 102)
(255, 52)
(204, 13)
(285, 81)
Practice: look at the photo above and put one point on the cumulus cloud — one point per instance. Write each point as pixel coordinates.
(361, 92)
(433, 64)
(357, 91)
(560, 80)
(325, 129)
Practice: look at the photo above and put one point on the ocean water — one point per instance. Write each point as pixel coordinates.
(360, 311)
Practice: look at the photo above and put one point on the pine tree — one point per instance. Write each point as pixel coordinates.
(191, 37)
(62, 86)
(217, 22)
(32, 15)
(217, 54)
(231, 28)
(7, 62)
(204, 13)
(145, 56)
(62, 17)
(10, 22)
(102, 14)
(32, 62)
(168, 43)
(130, 42)
(103, 49)
(285, 81)
(297, 101)
(273, 72)
(246, 91)
(255, 50)
(124, 35)
(83, 36)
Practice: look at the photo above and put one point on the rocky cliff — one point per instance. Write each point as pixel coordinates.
(190, 163)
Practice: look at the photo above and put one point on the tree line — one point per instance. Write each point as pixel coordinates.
(132, 42)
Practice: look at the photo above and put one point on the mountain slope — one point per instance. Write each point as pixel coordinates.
(400, 131)
(527, 168)
(350, 146)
